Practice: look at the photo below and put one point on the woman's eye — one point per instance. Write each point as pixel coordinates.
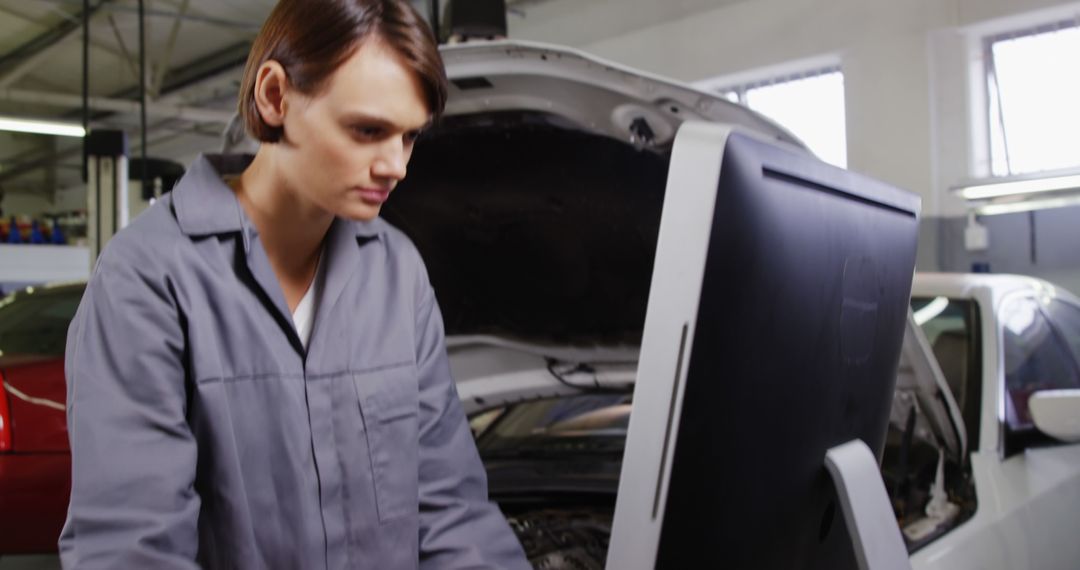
(410, 137)
(368, 132)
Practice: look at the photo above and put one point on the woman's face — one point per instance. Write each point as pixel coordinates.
(346, 148)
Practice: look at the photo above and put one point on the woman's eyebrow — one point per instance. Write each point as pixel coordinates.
(362, 117)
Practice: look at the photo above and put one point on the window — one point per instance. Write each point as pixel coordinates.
(944, 321)
(1033, 88)
(1034, 359)
(951, 327)
(810, 105)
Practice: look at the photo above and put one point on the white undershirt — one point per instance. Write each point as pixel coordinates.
(304, 315)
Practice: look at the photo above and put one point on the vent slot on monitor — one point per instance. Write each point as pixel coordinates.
(774, 174)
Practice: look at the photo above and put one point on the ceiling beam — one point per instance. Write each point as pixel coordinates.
(23, 59)
(242, 29)
(226, 60)
(162, 110)
(165, 60)
(99, 45)
(23, 17)
(124, 51)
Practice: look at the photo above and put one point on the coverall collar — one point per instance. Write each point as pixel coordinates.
(205, 205)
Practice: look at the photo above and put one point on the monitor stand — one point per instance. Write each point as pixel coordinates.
(870, 520)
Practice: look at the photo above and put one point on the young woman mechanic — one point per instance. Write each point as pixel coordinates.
(257, 373)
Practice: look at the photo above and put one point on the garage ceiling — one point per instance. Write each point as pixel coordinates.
(195, 54)
(581, 23)
(195, 49)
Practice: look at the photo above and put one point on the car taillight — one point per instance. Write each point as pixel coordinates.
(5, 418)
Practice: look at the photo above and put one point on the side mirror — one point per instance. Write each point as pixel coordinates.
(1057, 413)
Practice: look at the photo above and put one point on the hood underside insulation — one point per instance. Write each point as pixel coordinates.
(534, 230)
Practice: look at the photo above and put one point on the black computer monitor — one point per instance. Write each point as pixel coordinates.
(773, 333)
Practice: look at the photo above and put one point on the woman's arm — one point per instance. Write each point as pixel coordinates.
(459, 527)
(133, 456)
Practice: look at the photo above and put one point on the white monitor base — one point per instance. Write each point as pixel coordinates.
(871, 523)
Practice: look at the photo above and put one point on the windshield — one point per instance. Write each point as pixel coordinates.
(35, 321)
(585, 423)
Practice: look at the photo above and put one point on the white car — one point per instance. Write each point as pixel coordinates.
(1009, 348)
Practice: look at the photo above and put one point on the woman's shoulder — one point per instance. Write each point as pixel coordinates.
(398, 243)
(147, 243)
(405, 263)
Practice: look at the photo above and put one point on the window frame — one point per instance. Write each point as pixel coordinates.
(740, 89)
(737, 91)
(994, 113)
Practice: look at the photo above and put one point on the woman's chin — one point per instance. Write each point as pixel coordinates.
(360, 212)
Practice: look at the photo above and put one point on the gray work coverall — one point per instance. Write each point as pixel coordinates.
(202, 435)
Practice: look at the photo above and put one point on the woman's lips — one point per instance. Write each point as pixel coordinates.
(372, 195)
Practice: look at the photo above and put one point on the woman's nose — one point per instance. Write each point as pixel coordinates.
(391, 161)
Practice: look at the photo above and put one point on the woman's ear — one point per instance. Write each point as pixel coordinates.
(270, 86)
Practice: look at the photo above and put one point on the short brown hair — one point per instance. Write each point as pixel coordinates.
(312, 38)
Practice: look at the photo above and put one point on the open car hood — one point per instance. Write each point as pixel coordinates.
(536, 200)
(536, 203)
(595, 95)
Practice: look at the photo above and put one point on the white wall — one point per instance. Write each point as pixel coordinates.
(909, 93)
(24, 205)
(43, 264)
(34, 205)
(70, 199)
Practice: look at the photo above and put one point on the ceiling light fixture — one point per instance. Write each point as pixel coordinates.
(993, 209)
(1014, 187)
(41, 127)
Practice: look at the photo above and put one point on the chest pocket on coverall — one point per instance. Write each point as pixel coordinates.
(389, 405)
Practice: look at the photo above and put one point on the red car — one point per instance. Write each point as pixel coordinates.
(35, 462)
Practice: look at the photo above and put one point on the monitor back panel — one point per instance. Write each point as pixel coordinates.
(773, 333)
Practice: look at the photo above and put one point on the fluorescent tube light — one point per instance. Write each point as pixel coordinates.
(1027, 206)
(41, 127)
(987, 190)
